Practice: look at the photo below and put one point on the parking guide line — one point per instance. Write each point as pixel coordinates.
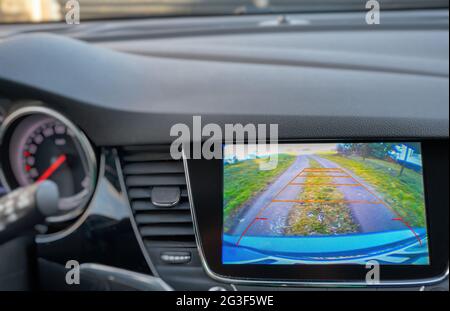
(329, 170)
(325, 184)
(381, 201)
(248, 227)
(327, 201)
(410, 228)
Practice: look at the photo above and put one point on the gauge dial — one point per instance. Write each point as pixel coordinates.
(51, 152)
(43, 147)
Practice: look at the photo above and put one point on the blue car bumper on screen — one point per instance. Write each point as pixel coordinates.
(393, 247)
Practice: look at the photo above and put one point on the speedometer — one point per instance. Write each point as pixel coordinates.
(44, 145)
(49, 150)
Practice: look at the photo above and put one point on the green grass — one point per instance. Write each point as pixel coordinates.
(404, 194)
(243, 180)
(320, 218)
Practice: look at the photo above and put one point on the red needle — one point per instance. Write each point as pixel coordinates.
(48, 172)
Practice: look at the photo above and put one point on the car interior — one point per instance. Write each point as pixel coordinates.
(94, 104)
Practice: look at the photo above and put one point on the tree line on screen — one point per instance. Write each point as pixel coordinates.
(382, 151)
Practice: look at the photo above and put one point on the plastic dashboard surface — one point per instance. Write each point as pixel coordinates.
(328, 80)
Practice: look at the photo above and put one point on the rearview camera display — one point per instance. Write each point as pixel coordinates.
(328, 203)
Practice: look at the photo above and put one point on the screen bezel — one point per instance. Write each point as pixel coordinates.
(205, 178)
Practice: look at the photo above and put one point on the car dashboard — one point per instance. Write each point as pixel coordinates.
(111, 92)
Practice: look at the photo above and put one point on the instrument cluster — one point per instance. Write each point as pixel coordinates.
(39, 144)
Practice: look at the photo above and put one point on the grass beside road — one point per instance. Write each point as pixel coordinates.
(320, 218)
(243, 180)
(404, 194)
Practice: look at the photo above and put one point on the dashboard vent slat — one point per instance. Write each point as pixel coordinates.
(147, 205)
(156, 180)
(167, 230)
(139, 193)
(156, 167)
(147, 157)
(164, 217)
(146, 193)
(145, 167)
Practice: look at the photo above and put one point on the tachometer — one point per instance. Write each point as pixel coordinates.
(44, 145)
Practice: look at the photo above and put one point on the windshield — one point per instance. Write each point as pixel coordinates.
(37, 11)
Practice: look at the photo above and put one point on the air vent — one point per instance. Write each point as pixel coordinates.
(149, 168)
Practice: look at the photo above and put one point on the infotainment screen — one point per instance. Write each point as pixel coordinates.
(324, 203)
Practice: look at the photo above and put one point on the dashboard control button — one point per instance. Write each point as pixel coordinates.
(217, 289)
(176, 257)
(165, 196)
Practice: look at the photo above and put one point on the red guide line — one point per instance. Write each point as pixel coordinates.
(248, 227)
(410, 228)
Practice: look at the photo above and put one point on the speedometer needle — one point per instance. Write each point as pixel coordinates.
(55, 165)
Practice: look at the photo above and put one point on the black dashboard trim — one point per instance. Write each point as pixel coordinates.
(347, 88)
